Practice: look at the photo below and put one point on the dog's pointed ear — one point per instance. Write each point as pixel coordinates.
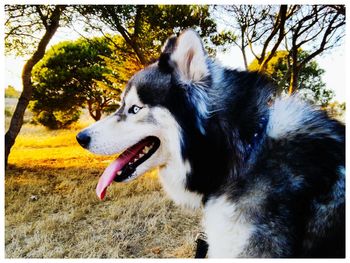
(190, 56)
(185, 53)
(169, 45)
(164, 62)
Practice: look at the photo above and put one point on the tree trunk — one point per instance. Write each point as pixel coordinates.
(17, 118)
(98, 115)
(293, 83)
(295, 69)
(243, 46)
(280, 24)
(95, 113)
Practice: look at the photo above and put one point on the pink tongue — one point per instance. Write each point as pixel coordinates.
(111, 171)
(108, 176)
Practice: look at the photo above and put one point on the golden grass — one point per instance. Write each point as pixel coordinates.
(51, 210)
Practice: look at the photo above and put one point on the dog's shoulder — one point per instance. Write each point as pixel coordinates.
(291, 116)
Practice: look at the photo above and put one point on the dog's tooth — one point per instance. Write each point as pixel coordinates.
(146, 149)
(135, 160)
(119, 172)
(141, 155)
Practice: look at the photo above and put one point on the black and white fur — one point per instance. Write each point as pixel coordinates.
(282, 195)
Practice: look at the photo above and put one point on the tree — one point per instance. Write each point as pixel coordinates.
(71, 75)
(311, 86)
(11, 92)
(57, 119)
(320, 27)
(22, 24)
(265, 29)
(252, 25)
(336, 110)
(122, 63)
(145, 27)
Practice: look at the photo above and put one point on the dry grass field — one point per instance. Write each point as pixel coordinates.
(51, 210)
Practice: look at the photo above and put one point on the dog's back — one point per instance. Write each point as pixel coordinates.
(313, 165)
(291, 188)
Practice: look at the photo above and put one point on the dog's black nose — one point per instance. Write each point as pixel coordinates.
(83, 139)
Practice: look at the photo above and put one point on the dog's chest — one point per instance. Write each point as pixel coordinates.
(173, 179)
(226, 227)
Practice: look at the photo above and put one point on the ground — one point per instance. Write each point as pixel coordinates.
(52, 211)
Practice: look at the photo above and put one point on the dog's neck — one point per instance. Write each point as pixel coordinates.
(258, 136)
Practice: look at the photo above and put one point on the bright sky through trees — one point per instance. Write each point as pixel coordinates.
(333, 62)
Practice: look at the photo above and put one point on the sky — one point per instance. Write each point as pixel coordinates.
(333, 62)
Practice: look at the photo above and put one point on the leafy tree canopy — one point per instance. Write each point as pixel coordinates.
(310, 82)
(145, 27)
(68, 77)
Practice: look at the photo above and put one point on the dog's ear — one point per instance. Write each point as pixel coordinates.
(164, 62)
(190, 56)
(185, 53)
(169, 45)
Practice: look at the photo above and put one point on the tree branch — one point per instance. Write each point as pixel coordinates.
(278, 26)
(283, 16)
(43, 17)
(324, 41)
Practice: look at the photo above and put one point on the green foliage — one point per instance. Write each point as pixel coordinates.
(8, 111)
(144, 28)
(11, 92)
(310, 81)
(164, 20)
(21, 24)
(336, 110)
(122, 63)
(71, 75)
(224, 40)
(25, 24)
(57, 119)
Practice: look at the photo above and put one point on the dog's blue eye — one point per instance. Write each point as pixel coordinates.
(134, 109)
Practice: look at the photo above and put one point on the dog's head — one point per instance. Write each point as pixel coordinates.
(147, 128)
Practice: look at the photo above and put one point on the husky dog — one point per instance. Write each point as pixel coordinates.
(269, 172)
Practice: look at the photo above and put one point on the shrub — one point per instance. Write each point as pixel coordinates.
(8, 111)
(57, 119)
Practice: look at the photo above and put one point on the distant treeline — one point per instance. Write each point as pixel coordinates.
(11, 92)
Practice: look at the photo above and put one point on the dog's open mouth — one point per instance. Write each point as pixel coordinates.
(123, 168)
